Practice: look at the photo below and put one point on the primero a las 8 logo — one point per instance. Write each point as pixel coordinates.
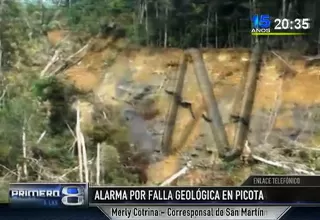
(73, 196)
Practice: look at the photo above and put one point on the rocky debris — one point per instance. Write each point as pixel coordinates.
(134, 91)
(141, 97)
(140, 137)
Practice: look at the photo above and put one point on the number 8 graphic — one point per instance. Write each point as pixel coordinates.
(73, 193)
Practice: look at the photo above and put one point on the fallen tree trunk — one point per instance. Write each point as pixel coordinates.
(167, 138)
(206, 88)
(248, 97)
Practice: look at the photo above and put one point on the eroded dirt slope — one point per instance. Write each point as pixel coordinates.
(110, 61)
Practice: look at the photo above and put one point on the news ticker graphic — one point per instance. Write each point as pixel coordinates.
(51, 195)
(205, 195)
(194, 212)
(257, 190)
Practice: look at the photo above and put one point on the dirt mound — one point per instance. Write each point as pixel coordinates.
(110, 61)
(55, 37)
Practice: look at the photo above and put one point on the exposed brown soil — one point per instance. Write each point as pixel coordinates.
(151, 64)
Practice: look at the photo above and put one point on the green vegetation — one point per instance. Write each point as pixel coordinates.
(37, 141)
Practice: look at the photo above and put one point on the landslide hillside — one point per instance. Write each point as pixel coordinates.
(109, 61)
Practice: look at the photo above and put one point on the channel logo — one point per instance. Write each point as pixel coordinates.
(48, 195)
(73, 196)
(261, 23)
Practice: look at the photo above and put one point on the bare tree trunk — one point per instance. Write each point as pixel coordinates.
(207, 26)
(319, 41)
(24, 152)
(135, 22)
(1, 51)
(98, 162)
(158, 30)
(157, 10)
(314, 33)
(251, 14)
(290, 10)
(80, 157)
(82, 145)
(2, 81)
(42, 11)
(202, 35)
(146, 22)
(141, 12)
(85, 159)
(216, 30)
(284, 12)
(253, 5)
(103, 168)
(165, 43)
(236, 32)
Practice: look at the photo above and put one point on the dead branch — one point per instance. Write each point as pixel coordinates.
(41, 136)
(289, 71)
(181, 172)
(71, 131)
(72, 147)
(3, 94)
(7, 169)
(274, 163)
(162, 84)
(311, 60)
(7, 176)
(296, 144)
(274, 113)
(73, 170)
(24, 153)
(50, 63)
(283, 166)
(305, 126)
(62, 40)
(69, 60)
(82, 49)
(46, 173)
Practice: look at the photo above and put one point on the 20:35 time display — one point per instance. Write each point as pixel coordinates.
(289, 24)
